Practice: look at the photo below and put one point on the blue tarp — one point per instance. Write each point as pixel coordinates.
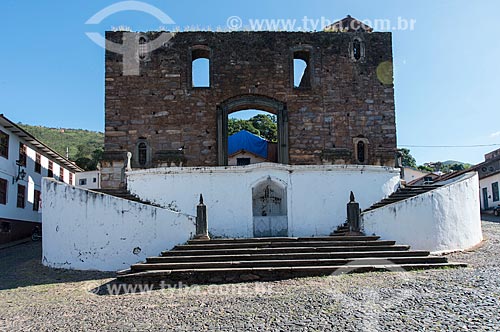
(244, 140)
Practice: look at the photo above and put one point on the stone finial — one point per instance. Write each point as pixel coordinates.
(352, 199)
(201, 199)
(129, 158)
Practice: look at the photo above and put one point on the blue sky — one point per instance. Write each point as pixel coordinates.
(447, 69)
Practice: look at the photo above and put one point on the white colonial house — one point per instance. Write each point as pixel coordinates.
(489, 180)
(490, 197)
(24, 161)
(410, 174)
(89, 179)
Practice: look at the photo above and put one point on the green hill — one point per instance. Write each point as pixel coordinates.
(455, 162)
(85, 147)
(444, 166)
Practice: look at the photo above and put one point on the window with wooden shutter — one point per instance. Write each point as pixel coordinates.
(50, 171)
(21, 196)
(22, 154)
(3, 191)
(38, 163)
(36, 200)
(61, 174)
(4, 145)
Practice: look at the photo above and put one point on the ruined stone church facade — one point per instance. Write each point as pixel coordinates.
(342, 112)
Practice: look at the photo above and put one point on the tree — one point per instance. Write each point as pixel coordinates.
(266, 125)
(88, 159)
(262, 125)
(407, 159)
(425, 168)
(457, 167)
(236, 125)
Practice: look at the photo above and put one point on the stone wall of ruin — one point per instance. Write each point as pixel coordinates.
(348, 99)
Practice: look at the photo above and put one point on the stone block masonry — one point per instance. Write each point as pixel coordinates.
(342, 113)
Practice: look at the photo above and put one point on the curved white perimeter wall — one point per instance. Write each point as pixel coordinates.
(442, 220)
(316, 195)
(86, 230)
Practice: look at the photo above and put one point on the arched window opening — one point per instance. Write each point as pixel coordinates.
(361, 152)
(142, 154)
(143, 48)
(301, 69)
(200, 68)
(356, 49)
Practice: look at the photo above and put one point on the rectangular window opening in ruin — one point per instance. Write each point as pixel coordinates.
(200, 68)
(301, 69)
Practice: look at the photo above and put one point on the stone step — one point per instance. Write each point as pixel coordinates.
(272, 244)
(432, 186)
(286, 256)
(285, 239)
(276, 250)
(242, 259)
(408, 194)
(402, 194)
(229, 275)
(286, 263)
(394, 199)
(413, 189)
(112, 191)
(124, 194)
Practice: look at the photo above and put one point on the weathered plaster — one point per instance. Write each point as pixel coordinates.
(316, 195)
(86, 230)
(442, 220)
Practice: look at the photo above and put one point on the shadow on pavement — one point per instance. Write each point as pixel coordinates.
(21, 266)
(489, 217)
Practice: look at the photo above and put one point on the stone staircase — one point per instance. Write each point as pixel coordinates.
(402, 194)
(342, 230)
(266, 259)
(124, 194)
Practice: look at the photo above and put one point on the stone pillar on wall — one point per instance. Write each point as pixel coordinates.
(113, 166)
(201, 221)
(353, 215)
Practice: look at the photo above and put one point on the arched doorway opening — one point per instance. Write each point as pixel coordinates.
(252, 102)
(269, 208)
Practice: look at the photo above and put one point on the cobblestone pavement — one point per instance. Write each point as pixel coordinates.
(35, 298)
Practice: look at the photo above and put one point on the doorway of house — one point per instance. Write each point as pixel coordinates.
(485, 199)
(269, 209)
